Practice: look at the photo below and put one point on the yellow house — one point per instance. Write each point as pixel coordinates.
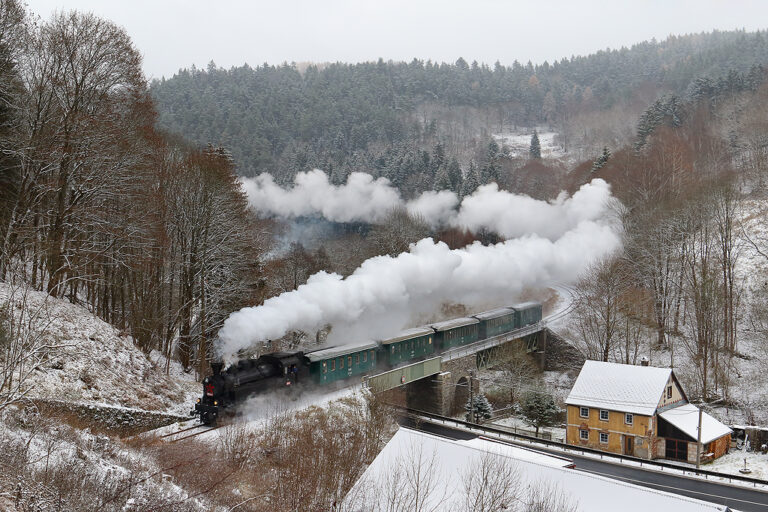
(640, 411)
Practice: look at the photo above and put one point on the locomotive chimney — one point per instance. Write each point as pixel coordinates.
(216, 366)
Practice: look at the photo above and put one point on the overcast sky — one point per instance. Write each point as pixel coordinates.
(173, 34)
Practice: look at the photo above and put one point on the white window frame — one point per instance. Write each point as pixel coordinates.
(669, 392)
(607, 415)
(629, 418)
(582, 432)
(581, 412)
(601, 437)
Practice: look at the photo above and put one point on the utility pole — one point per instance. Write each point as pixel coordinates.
(698, 442)
(471, 398)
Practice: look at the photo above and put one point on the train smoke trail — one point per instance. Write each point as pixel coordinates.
(364, 199)
(385, 292)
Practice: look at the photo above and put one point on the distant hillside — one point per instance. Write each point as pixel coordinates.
(373, 116)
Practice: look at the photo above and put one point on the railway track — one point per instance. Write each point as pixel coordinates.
(188, 432)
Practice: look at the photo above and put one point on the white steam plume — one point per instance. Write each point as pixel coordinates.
(363, 199)
(384, 293)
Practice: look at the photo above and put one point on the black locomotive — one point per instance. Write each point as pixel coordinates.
(248, 377)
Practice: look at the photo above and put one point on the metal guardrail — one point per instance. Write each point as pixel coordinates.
(571, 448)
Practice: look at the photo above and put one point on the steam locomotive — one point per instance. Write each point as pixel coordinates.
(226, 387)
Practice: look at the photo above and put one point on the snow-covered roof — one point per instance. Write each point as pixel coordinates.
(686, 418)
(619, 387)
(408, 334)
(456, 322)
(493, 313)
(445, 464)
(525, 305)
(340, 350)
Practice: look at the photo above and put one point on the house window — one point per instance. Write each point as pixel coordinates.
(669, 391)
(584, 435)
(584, 412)
(629, 419)
(604, 437)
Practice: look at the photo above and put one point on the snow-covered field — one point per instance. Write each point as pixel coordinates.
(94, 362)
(520, 142)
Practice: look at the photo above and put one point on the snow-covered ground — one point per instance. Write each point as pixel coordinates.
(518, 425)
(94, 362)
(519, 143)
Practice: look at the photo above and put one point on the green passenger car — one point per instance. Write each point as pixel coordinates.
(408, 345)
(338, 363)
(494, 322)
(527, 313)
(456, 332)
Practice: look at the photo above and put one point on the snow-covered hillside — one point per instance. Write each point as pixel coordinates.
(94, 362)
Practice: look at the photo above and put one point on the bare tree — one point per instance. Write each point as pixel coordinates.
(24, 343)
(491, 483)
(598, 301)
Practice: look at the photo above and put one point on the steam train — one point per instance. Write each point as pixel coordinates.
(322, 367)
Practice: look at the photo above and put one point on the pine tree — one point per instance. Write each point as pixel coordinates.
(479, 408)
(454, 174)
(442, 180)
(539, 410)
(601, 160)
(535, 150)
(471, 181)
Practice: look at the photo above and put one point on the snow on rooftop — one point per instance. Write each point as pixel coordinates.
(686, 418)
(443, 465)
(341, 350)
(456, 322)
(525, 305)
(493, 313)
(407, 334)
(619, 387)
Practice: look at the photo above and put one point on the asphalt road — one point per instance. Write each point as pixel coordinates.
(736, 497)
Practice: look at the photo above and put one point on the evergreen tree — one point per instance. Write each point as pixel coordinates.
(471, 181)
(442, 180)
(454, 174)
(539, 410)
(601, 160)
(535, 149)
(478, 408)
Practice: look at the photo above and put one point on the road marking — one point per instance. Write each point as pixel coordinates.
(675, 490)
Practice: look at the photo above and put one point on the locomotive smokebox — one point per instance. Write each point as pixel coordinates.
(216, 366)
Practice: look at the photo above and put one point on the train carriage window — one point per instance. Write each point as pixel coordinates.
(341, 363)
(357, 358)
(325, 367)
(430, 340)
(349, 361)
(333, 365)
(393, 349)
(373, 356)
(365, 356)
